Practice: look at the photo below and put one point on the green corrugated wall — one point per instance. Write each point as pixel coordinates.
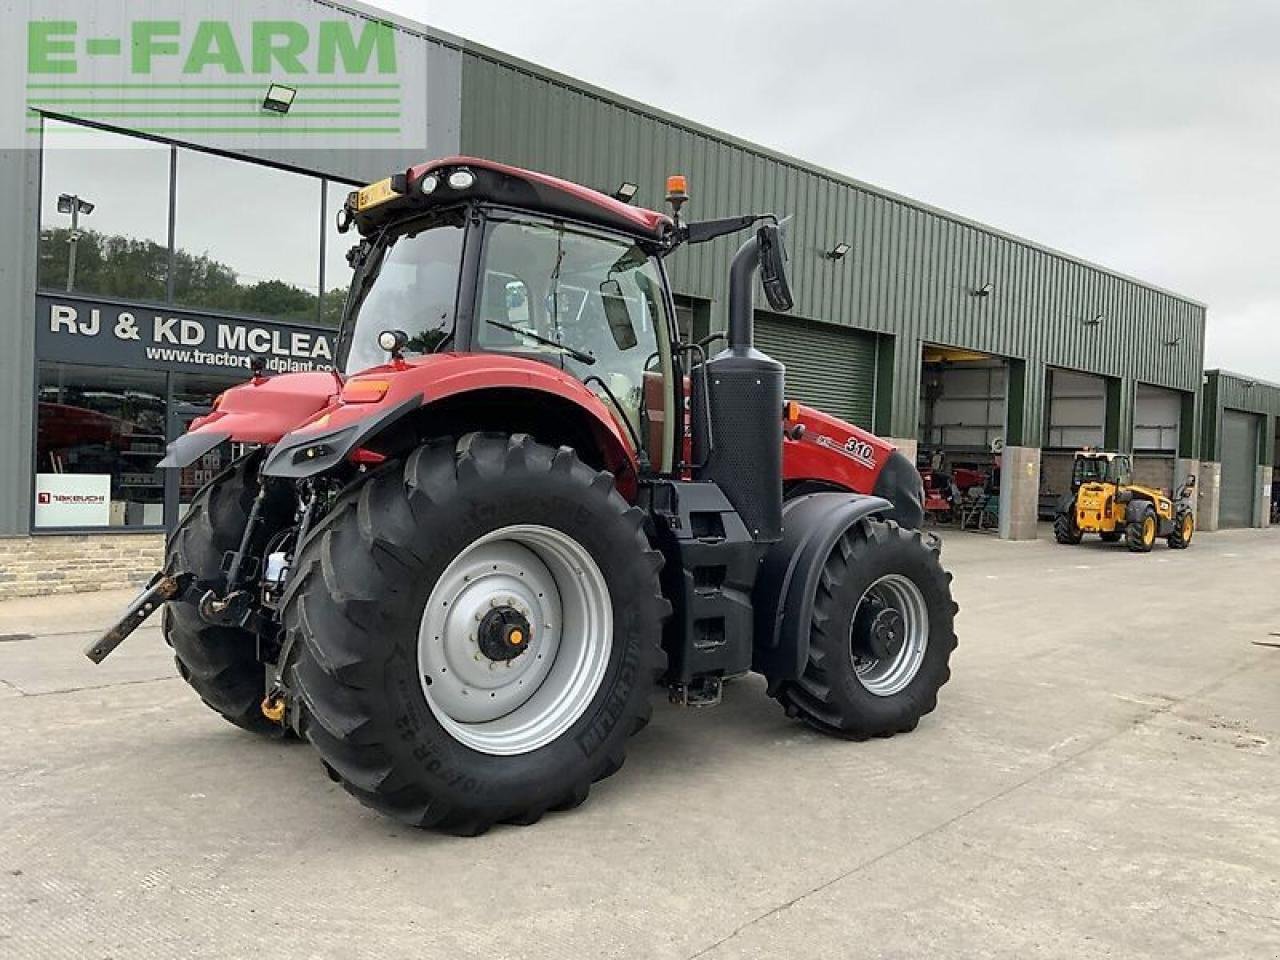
(911, 270)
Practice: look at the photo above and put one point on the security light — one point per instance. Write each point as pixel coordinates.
(69, 203)
(626, 192)
(279, 98)
(838, 252)
(1095, 321)
(984, 290)
(1173, 341)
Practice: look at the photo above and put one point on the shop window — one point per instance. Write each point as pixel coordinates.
(337, 272)
(100, 433)
(104, 213)
(247, 238)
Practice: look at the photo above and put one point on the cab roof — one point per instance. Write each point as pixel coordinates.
(505, 185)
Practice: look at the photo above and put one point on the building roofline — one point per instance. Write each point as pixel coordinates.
(545, 73)
(1243, 377)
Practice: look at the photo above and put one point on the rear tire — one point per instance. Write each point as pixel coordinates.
(842, 690)
(1065, 530)
(221, 663)
(1140, 533)
(1184, 528)
(388, 714)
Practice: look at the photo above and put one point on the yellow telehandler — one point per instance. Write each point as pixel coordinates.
(1105, 501)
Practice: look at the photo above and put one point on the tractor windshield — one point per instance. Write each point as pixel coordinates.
(411, 284)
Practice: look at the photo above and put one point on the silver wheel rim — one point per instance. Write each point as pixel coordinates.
(516, 705)
(890, 675)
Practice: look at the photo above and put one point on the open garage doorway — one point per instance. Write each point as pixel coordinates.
(963, 412)
(1075, 413)
(1157, 422)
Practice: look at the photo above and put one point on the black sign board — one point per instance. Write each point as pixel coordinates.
(79, 330)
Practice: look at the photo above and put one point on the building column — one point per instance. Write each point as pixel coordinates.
(1262, 501)
(1019, 492)
(1209, 494)
(1118, 430)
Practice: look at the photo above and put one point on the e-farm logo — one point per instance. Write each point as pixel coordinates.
(213, 76)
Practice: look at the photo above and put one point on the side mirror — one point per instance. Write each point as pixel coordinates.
(773, 268)
(617, 314)
(1191, 482)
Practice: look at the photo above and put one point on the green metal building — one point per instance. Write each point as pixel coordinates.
(968, 346)
(1239, 449)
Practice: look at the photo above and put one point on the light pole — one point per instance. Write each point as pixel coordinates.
(74, 205)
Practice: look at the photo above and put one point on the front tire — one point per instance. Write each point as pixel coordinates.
(1140, 533)
(1184, 528)
(862, 680)
(489, 527)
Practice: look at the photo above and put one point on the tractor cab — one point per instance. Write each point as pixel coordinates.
(479, 258)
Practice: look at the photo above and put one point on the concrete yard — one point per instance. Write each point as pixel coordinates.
(1102, 779)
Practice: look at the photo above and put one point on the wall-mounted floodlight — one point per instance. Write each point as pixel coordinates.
(1173, 341)
(838, 252)
(1095, 321)
(985, 290)
(626, 192)
(1249, 384)
(279, 98)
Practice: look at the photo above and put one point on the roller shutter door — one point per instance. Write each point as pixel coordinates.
(1239, 468)
(831, 368)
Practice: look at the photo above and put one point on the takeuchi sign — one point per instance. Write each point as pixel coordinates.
(78, 330)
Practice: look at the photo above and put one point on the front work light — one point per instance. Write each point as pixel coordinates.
(461, 179)
(428, 184)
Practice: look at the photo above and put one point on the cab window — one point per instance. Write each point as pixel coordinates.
(589, 304)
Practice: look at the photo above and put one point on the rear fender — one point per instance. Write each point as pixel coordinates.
(792, 571)
(453, 382)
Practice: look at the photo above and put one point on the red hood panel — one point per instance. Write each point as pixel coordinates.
(263, 411)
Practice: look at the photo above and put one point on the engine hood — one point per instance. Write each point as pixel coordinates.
(260, 411)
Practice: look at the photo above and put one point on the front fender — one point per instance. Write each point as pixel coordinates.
(791, 571)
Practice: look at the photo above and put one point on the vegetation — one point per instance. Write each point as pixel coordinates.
(133, 269)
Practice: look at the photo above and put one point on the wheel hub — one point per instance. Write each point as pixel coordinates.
(504, 634)
(887, 634)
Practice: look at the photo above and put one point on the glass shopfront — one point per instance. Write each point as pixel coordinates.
(162, 271)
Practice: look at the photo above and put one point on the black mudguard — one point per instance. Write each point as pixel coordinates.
(899, 482)
(304, 454)
(791, 570)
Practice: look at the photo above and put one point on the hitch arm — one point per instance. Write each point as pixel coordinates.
(162, 589)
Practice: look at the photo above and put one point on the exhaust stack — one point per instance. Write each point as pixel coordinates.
(745, 405)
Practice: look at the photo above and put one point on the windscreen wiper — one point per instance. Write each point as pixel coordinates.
(578, 355)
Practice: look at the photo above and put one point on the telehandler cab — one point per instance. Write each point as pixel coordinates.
(458, 566)
(1103, 500)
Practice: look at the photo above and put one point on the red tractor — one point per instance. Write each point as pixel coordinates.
(462, 563)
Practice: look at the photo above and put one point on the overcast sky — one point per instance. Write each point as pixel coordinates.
(1143, 135)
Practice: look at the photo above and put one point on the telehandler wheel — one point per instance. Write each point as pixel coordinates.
(1184, 528)
(221, 663)
(1140, 533)
(1065, 529)
(479, 629)
(1111, 536)
(881, 636)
